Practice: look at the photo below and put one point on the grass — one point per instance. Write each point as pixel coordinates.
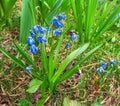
(92, 87)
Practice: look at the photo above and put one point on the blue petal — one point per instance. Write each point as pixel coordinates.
(57, 32)
(62, 16)
(30, 40)
(29, 69)
(103, 64)
(59, 24)
(32, 33)
(100, 69)
(41, 29)
(67, 46)
(33, 49)
(113, 62)
(74, 36)
(54, 20)
(36, 28)
(42, 38)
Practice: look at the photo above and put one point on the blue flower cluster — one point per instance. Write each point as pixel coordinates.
(57, 21)
(37, 32)
(37, 35)
(103, 65)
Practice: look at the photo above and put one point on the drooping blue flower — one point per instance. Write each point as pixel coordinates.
(59, 24)
(56, 22)
(41, 29)
(30, 41)
(36, 28)
(32, 33)
(29, 69)
(103, 64)
(57, 32)
(100, 69)
(33, 49)
(67, 46)
(113, 62)
(74, 36)
(42, 38)
(62, 16)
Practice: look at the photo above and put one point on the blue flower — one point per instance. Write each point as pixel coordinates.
(29, 69)
(59, 24)
(56, 22)
(113, 62)
(67, 46)
(32, 33)
(33, 49)
(42, 38)
(74, 36)
(100, 69)
(57, 32)
(62, 16)
(41, 29)
(30, 40)
(36, 28)
(103, 64)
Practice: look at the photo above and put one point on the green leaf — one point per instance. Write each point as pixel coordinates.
(2, 63)
(93, 19)
(74, 69)
(7, 6)
(28, 18)
(96, 104)
(44, 57)
(13, 58)
(68, 59)
(68, 102)
(43, 100)
(53, 60)
(34, 85)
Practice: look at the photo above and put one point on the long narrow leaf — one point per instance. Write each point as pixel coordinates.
(13, 58)
(74, 69)
(28, 18)
(68, 59)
